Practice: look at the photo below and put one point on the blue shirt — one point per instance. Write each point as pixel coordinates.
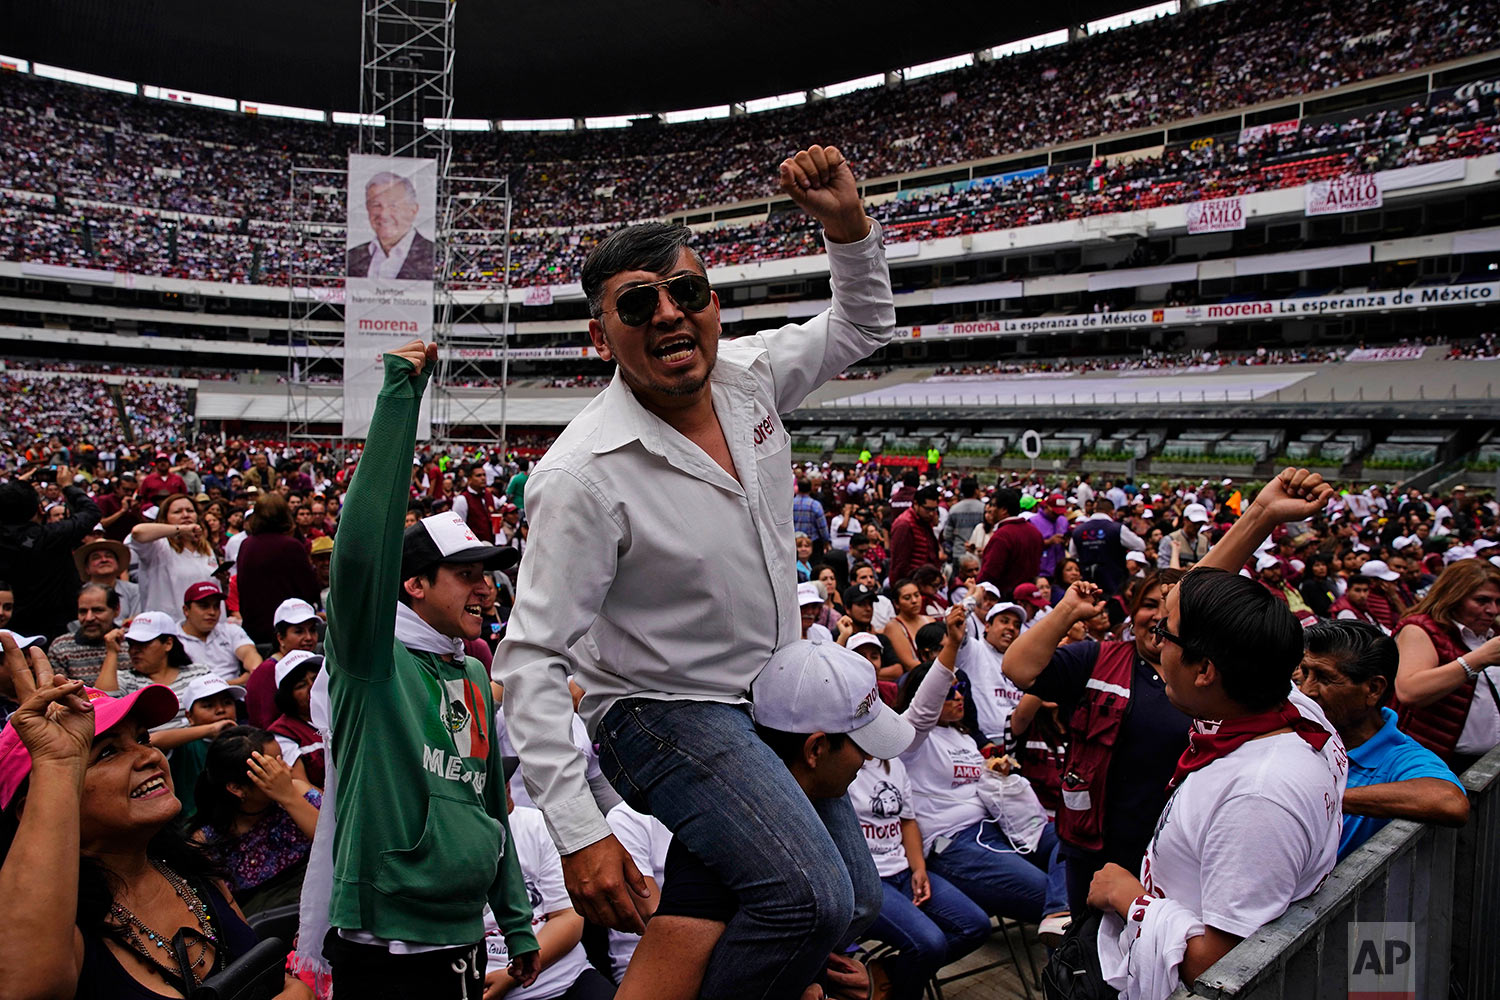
(808, 517)
(1390, 755)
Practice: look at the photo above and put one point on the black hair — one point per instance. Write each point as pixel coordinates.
(111, 599)
(1359, 649)
(930, 636)
(4, 585)
(1008, 500)
(1253, 640)
(925, 494)
(286, 704)
(649, 246)
(18, 502)
(788, 746)
(1103, 504)
(227, 763)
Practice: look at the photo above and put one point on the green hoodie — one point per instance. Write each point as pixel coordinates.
(422, 841)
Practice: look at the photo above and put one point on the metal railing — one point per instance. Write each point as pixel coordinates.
(1444, 881)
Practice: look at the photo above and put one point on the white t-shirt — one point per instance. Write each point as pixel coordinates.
(1481, 730)
(882, 800)
(217, 651)
(165, 575)
(1251, 833)
(995, 696)
(232, 547)
(944, 772)
(581, 740)
(840, 530)
(884, 612)
(541, 867)
(647, 839)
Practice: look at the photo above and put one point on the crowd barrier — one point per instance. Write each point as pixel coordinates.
(1442, 881)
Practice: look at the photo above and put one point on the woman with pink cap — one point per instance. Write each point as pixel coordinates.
(117, 903)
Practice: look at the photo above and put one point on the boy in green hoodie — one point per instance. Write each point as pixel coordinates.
(421, 841)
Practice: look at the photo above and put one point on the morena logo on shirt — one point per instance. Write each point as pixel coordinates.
(764, 430)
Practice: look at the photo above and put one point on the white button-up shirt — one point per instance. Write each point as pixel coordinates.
(650, 571)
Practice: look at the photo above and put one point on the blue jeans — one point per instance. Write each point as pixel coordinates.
(982, 865)
(805, 881)
(946, 928)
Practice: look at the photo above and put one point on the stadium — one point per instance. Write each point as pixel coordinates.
(1188, 244)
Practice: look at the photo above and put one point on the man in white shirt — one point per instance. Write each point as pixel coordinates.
(684, 457)
(995, 695)
(398, 251)
(222, 646)
(864, 576)
(1254, 823)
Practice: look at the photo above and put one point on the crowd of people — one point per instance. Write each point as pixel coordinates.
(212, 576)
(151, 188)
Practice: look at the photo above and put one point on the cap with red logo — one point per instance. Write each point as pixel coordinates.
(204, 590)
(445, 538)
(821, 687)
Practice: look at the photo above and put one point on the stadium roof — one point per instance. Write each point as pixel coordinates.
(529, 60)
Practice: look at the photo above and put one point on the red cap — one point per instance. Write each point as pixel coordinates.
(1057, 503)
(202, 591)
(1027, 593)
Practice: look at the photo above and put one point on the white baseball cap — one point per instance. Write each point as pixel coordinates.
(821, 687)
(1266, 561)
(1480, 544)
(150, 625)
(1196, 512)
(990, 588)
(23, 641)
(1137, 557)
(293, 660)
(809, 593)
(1379, 570)
(206, 687)
(859, 639)
(445, 538)
(1002, 607)
(1403, 541)
(293, 611)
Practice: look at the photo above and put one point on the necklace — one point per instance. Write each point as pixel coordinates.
(136, 933)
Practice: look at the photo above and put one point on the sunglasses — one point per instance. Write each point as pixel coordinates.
(1159, 629)
(636, 305)
(959, 690)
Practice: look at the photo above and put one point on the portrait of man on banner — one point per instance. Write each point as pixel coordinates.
(388, 243)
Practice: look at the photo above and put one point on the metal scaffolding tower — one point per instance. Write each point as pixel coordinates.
(406, 105)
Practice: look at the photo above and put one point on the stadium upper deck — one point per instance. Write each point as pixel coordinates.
(95, 179)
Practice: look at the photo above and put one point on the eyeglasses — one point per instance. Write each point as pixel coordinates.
(636, 305)
(1159, 629)
(959, 690)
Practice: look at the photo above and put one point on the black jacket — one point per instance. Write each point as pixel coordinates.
(37, 561)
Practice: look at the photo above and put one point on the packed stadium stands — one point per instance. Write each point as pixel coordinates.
(145, 187)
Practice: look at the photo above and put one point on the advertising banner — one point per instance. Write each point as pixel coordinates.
(1411, 352)
(1349, 193)
(1478, 293)
(1255, 133)
(388, 282)
(1216, 216)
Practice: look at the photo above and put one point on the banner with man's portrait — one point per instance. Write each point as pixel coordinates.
(388, 287)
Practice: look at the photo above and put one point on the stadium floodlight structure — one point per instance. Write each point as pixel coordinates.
(406, 109)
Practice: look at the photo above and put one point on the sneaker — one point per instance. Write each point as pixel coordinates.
(1050, 931)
